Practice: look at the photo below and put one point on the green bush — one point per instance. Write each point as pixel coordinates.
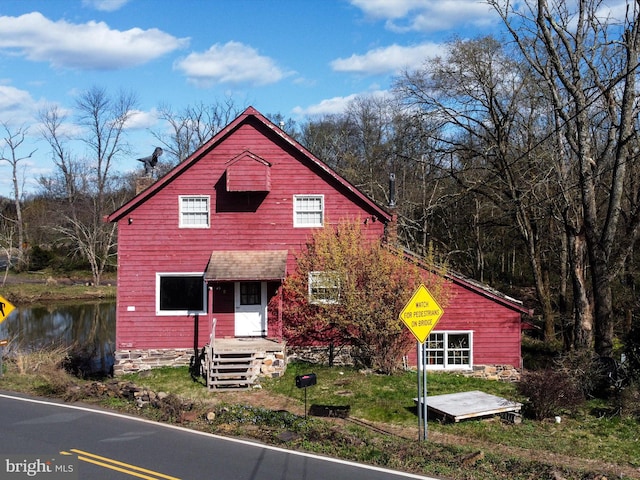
(39, 258)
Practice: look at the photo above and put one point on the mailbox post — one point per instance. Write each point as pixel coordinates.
(304, 381)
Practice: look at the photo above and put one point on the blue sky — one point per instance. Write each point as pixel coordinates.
(298, 58)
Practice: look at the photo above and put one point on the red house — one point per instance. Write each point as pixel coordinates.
(203, 250)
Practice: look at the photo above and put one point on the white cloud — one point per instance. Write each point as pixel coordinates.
(392, 59)
(105, 5)
(17, 106)
(91, 46)
(326, 107)
(336, 105)
(428, 15)
(140, 119)
(233, 63)
(12, 98)
(389, 8)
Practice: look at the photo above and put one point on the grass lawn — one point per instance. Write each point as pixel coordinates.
(583, 446)
(389, 399)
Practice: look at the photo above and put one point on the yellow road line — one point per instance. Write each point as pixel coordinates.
(119, 466)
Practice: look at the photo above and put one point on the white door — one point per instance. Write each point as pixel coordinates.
(250, 309)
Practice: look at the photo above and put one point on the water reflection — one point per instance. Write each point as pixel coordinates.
(89, 328)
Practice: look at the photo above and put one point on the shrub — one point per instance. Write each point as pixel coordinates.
(39, 258)
(632, 354)
(595, 376)
(46, 368)
(549, 392)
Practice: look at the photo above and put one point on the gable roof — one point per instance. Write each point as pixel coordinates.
(251, 115)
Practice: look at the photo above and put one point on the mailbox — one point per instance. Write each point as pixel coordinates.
(307, 380)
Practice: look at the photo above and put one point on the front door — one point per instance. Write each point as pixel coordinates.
(250, 309)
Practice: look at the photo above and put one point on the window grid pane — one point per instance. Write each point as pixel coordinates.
(308, 211)
(194, 212)
(435, 349)
(324, 287)
(250, 293)
(455, 347)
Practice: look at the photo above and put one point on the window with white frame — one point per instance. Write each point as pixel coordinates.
(180, 294)
(308, 210)
(449, 350)
(324, 287)
(194, 211)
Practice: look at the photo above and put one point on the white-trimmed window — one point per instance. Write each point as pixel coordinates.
(308, 210)
(449, 350)
(180, 294)
(194, 211)
(324, 287)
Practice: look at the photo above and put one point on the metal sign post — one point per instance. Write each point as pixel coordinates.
(3, 343)
(420, 315)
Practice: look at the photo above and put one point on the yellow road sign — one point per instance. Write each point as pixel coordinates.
(421, 313)
(5, 308)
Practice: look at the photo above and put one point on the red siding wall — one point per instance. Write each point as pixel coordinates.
(150, 241)
(248, 175)
(496, 328)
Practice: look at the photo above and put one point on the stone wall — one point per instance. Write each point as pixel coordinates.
(272, 363)
(320, 355)
(504, 373)
(138, 360)
(342, 356)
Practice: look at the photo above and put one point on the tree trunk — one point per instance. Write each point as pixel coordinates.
(583, 311)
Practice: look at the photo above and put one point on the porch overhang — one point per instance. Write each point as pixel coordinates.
(246, 265)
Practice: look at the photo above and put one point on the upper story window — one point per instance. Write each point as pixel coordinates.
(308, 210)
(324, 287)
(194, 211)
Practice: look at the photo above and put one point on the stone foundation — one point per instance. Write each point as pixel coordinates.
(342, 356)
(272, 363)
(138, 360)
(320, 355)
(503, 373)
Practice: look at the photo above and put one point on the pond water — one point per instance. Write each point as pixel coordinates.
(88, 328)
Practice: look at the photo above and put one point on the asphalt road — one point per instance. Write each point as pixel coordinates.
(106, 445)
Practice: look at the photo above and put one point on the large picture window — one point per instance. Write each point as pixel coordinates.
(180, 294)
(324, 287)
(308, 210)
(194, 211)
(449, 350)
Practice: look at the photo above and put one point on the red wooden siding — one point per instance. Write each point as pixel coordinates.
(495, 327)
(250, 172)
(150, 241)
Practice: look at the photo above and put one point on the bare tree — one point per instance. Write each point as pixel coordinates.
(13, 140)
(589, 64)
(487, 107)
(7, 233)
(193, 126)
(86, 183)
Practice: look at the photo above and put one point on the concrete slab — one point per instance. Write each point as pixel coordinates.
(460, 406)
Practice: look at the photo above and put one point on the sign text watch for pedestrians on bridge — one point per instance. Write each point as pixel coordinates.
(5, 308)
(421, 313)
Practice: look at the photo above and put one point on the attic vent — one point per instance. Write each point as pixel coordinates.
(248, 172)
